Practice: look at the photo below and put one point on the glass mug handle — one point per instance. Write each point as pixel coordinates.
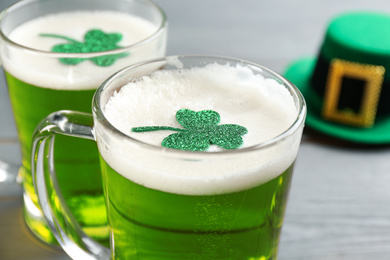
(59, 218)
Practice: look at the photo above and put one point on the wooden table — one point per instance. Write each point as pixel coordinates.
(339, 205)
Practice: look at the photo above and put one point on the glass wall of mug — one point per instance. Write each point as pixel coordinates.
(209, 183)
(55, 54)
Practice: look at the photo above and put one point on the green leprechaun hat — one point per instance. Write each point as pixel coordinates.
(347, 87)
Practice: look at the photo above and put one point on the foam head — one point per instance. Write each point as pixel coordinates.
(43, 69)
(264, 106)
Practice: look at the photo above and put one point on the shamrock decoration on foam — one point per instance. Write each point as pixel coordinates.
(94, 41)
(201, 130)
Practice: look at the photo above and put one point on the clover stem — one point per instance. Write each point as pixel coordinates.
(155, 128)
(58, 36)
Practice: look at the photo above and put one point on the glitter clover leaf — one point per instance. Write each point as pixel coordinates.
(94, 41)
(201, 130)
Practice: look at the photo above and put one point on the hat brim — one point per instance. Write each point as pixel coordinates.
(299, 74)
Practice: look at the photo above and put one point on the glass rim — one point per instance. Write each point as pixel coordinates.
(298, 122)
(50, 54)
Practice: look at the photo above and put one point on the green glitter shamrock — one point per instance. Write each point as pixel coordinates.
(94, 41)
(201, 130)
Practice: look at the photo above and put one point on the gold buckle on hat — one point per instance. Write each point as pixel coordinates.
(373, 77)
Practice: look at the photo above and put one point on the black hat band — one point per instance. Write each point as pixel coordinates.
(353, 93)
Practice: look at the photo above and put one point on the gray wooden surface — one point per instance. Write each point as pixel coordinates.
(339, 205)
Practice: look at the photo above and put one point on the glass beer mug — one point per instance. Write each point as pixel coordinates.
(196, 153)
(55, 54)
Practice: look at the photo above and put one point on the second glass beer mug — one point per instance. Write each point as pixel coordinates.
(55, 54)
(197, 156)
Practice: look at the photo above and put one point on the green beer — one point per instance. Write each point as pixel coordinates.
(54, 57)
(151, 224)
(77, 164)
(222, 197)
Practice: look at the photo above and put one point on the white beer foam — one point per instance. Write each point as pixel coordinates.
(50, 73)
(263, 106)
